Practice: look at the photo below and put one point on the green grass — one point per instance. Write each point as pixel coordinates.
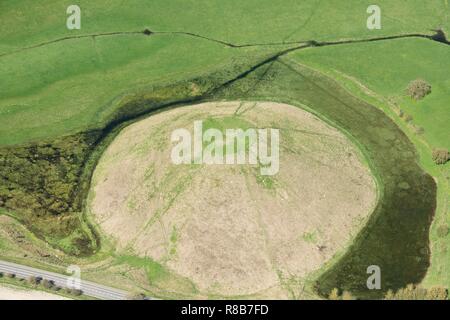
(387, 68)
(68, 86)
(155, 271)
(267, 182)
(302, 87)
(253, 21)
(310, 237)
(222, 124)
(397, 232)
(388, 231)
(159, 276)
(74, 85)
(392, 65)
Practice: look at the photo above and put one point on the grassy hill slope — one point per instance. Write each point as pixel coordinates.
(379, 73)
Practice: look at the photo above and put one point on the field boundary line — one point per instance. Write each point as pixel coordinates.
(148, 33)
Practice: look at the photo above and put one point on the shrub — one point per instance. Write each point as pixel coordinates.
(10, 275)
(408, 118)
(48, 284)
(392, 101)
(418, 89)
(441, 156)
(76, 292)
(437, 293)
(442, 231)
(390, 295)
(334, 294)
(413, 292)
(32, 280)
(73, 291)
(136, 296)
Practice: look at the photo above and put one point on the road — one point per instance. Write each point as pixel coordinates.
(89, 288)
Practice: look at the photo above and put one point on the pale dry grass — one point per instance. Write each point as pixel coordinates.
(217, 225)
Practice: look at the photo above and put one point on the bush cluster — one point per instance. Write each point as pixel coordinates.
(418, 89)
(50, 285)
(413, 292)
(441, 156)
(335, 294)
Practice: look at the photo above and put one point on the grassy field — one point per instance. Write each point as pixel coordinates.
(67, 86)
(57, 86)
(288, 82)
(254, 21)
(398, 213)
(382, 82)
(388, 67)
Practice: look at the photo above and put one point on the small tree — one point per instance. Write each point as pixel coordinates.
(136, 296)
(334, 294)
(437, 293)
(32, 280)
(412, 292)
(10, 275)
(390, 295)
(441, 156)
(77, 292)
(418, 89)
(48, 284)
(408, 118)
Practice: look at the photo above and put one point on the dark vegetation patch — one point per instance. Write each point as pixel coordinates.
(39, 184)
(45, 185)
(40, 177)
